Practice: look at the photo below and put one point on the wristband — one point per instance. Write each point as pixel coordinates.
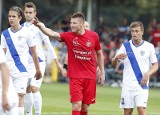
(65, 66)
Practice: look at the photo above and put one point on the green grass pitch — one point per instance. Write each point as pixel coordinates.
(56, 101)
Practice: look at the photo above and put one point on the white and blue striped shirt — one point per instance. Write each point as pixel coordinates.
(17, 48)
(144, 55)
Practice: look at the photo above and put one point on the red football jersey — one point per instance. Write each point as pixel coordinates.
(81, 53)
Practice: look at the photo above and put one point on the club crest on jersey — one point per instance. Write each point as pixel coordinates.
(88, 44)
(19, 38)
(142, 53)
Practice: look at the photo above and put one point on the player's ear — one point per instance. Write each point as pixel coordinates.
(142, 33)
(20, 17)
(35, 13)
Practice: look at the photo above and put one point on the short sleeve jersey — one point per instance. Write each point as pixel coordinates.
(39, 39)
(145, 56)
(81, 53)
(17, 48)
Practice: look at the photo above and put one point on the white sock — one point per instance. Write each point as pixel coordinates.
(37, 99)
(21, 110)
(28, 102)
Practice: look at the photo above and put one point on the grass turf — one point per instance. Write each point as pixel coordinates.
(56, 101)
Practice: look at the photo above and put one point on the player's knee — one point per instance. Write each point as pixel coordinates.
(128, 111)
(76, 106)
(34, 89)
(141, 110)
(85, 107)
(21, 96)
(28, 90)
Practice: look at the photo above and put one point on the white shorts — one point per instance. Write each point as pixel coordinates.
(31, 73)
(132, 98)
(20, 82)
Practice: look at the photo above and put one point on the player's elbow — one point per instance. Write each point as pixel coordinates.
(156, 66)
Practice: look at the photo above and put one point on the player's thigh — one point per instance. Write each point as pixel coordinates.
(141, 98)
(42, 67)
(76, 89)
(89, 91)
(33, 81)
(20, 82)
(32, 70)
(36, 83)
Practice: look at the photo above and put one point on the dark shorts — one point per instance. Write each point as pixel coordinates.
(83, 90)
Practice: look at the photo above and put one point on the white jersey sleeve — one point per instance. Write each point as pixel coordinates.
(50, 49)
(3, 42)
(30, 39)
(120, 51)
(152, 57)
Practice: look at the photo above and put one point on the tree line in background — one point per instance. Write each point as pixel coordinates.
(111, 10)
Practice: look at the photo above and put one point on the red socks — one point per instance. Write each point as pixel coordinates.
(76, 112)
(83, 113)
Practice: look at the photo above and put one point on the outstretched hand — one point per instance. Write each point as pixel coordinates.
(37, 23)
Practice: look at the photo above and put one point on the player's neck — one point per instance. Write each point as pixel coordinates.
(137, 42)
(80, 32)
(15, 28)
(28, 23)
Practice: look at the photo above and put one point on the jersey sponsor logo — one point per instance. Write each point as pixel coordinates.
(88, 44)
(83, 55)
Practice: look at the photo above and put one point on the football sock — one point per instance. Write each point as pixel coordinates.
(21, 110)
(37, 99)
(83, 113)
(28, 101)
(76, 112)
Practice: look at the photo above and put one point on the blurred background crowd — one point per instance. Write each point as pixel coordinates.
(109, 18)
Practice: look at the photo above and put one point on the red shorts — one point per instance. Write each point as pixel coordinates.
(83, 90)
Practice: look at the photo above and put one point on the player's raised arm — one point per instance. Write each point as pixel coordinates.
(45, 30)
